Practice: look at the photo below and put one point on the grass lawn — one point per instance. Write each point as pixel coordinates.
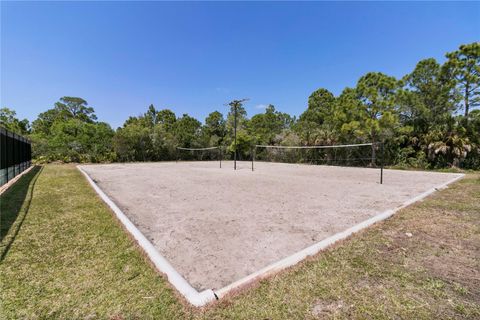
(64, 256)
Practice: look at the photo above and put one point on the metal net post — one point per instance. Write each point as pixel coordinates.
(252, 155)
(381, 162)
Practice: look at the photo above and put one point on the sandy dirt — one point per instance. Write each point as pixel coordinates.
(216, 226)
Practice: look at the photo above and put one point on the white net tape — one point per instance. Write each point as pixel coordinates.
(315, 147)
(197, 149)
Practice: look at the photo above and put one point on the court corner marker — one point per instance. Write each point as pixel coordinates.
(194, 297)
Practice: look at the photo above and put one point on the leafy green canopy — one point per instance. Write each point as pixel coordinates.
(427, 119)
(8, 120)
(69, 132)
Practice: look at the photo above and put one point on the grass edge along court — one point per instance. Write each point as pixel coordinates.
(65, 256)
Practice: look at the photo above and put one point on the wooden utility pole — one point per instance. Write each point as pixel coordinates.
(235, 104)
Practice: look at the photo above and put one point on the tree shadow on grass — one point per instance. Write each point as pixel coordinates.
(14, 205)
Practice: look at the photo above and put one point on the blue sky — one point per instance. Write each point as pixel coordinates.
(194, 57)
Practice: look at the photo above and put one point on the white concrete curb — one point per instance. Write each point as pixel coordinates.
(193, 296)
(199, 299)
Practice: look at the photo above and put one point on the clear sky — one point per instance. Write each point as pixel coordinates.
(194, 57)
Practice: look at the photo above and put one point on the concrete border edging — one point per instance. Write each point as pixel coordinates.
(196, 298)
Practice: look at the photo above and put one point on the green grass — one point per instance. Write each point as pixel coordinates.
(71, 259)
(64, 256)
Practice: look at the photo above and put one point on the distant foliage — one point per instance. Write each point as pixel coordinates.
(8, 120)
(69, 132)
(427, 119)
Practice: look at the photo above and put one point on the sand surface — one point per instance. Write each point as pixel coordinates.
(216, 226)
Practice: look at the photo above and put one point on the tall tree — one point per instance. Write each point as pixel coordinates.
(348, 117)
(320, 105)
(241, 116)
(315, 121)
(69, 132)
(187, 130)
(215, 125)
(76, 108)
(9, 120)
(465, 66)
(376, 91)
(428, 96)
(151, 116)
(265, 126)
(237, 123)
(133, 141)
(167, 118)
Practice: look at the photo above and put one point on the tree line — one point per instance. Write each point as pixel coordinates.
(427, 119)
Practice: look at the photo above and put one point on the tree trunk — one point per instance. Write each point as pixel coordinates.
(467, 105)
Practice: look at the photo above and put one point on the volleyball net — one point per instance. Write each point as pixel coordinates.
(199, 154)
(352, 155)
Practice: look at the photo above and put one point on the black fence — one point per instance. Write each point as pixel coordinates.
(15, 155)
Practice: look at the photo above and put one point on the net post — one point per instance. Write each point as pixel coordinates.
(252, 152)
(235, 160)
(381, 162)
(220, 156)
(235, 138)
